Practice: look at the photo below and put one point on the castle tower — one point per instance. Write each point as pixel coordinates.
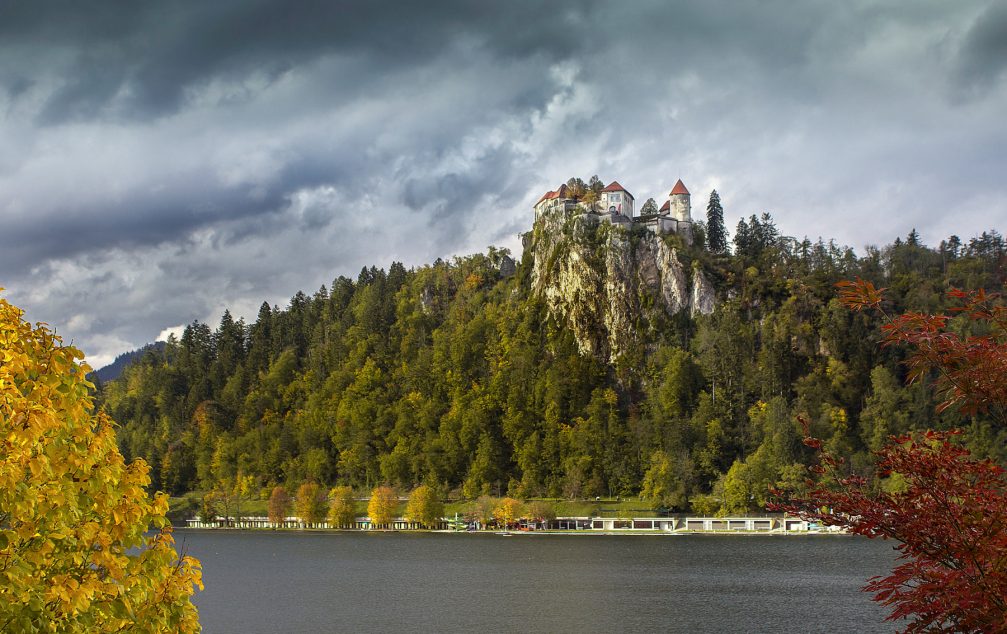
(680, 202)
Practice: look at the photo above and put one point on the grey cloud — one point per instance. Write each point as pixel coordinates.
(145, 55)
(163, 160)
(134, 221)
(983, 54)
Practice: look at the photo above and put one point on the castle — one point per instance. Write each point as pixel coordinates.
(615, 205)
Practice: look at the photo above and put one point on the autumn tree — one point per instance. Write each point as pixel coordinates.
(481, 510)
(225, 484)
(949, 510)
(240, 490)
(279, 505)
(310, 503)
(382, 507)
(540, 511)
(576, 188)
(83, 548)
(342, 508)
(209, 506)
(424, 506)
(507, 510)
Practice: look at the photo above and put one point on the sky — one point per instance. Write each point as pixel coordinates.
(163, 161)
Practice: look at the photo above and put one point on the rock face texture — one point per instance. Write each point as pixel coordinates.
(611, 284)
(704, 299)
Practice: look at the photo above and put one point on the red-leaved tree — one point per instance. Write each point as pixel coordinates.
(949, 514)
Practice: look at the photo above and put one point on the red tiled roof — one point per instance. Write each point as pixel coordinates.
(552, 195)
(614, 186)
(666, 206)
(679, 188)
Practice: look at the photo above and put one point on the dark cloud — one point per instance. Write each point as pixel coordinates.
(164, 160)
(983, 54)
(139, 60)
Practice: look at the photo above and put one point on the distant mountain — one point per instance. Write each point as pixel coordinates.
(113, 370)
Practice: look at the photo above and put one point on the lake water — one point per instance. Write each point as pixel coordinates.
(399, 582)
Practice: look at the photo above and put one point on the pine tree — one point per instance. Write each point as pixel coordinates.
(716, 234)
(913, 239)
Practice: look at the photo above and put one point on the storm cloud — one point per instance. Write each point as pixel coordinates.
(163, 161)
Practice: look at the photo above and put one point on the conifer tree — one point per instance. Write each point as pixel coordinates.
(649, 208)
(716, 234)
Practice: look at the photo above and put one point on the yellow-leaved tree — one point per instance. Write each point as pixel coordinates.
(343, 508)
(424, 506)
(507, 511)
(382, 506)
(83, 548)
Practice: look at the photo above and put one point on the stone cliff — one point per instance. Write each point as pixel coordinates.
(612, 284)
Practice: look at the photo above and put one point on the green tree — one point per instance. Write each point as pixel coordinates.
(661, 484)
(716, 234)
(738, 496)
(424, 506)
(82, 546)
(886, 413)
(649, 208)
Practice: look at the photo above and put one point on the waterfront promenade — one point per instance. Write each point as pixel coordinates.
(766, 524)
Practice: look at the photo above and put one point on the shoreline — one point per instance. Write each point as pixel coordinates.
(542, 533)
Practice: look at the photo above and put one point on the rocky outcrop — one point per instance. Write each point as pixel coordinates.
(611, 284)
(507, 266)
(704, 299)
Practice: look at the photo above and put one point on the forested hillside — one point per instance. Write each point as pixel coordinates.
(461, 376)
(112, 371)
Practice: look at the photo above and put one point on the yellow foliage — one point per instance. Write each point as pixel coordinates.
(837, 416)
(83, 548)
(473, 281)
(507, 510)
(382, 506)
(424, 506)
(342, 509)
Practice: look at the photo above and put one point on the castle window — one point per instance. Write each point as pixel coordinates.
(615, 197)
